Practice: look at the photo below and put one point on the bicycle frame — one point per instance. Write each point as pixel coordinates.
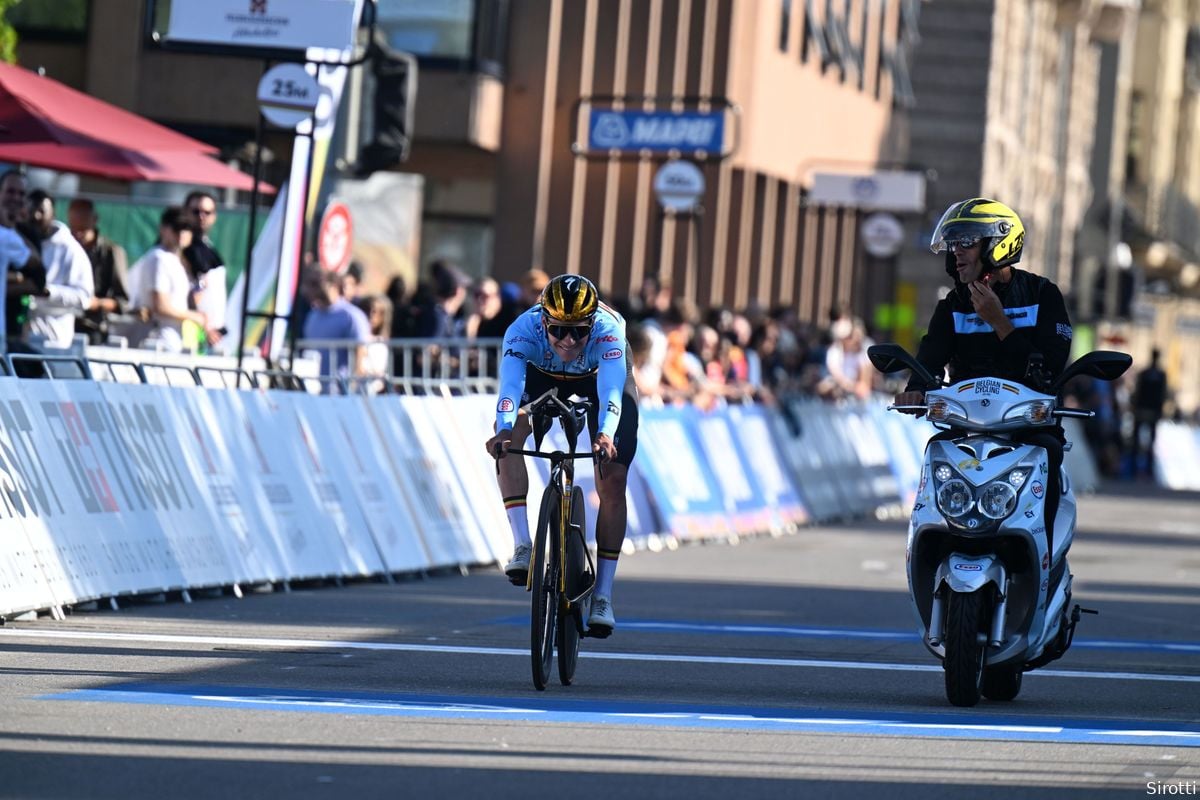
(542, 413)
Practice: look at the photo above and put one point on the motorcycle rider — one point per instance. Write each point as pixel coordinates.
(994, 319)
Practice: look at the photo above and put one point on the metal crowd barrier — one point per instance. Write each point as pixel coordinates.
(415, 366)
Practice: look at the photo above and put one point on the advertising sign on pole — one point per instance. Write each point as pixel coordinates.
(265, 24)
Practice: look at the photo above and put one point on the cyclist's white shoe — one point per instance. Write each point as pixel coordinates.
(517, 570)
(601, 621)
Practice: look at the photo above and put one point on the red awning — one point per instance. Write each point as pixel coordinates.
(44, 123)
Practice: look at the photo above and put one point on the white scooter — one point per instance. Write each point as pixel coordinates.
(991, 601)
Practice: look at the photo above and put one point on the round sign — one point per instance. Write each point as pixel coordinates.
(335, 239)
(882, 235)
(287, 95)
(679, 185)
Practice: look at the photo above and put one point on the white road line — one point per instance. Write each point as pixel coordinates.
(333, 644)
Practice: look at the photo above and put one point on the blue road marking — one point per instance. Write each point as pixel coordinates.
(814, 632)
(554, 710)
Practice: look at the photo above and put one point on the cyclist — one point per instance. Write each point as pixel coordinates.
(996, 317)
(572, 341)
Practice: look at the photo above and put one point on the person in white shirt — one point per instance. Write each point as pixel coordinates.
(207, 264)
(69, 281)
(159, 284)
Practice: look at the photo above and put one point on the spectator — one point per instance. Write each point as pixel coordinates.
(23, 279)
(69, 285)
(450, 292)
(532, 283)
(1149, 397)
(159, 287)
(492, 315)
(110, 271)
(352, 280)
(846, 360)
(334, 319)
(207, 265)
(379, 316)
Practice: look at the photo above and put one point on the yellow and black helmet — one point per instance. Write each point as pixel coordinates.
(570, 298)
(979, 219)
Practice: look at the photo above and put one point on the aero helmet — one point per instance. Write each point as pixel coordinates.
(993, 223)
(570, 299)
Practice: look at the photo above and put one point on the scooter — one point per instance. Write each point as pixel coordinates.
(991, 600)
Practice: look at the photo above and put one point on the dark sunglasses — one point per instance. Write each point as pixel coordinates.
(576, 332)
(963, 242)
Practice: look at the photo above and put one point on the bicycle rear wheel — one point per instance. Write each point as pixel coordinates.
(543, 585)
(570, 621)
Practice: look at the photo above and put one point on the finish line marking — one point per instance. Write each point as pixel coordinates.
(332, 644)
(799, 632)
(591, 712)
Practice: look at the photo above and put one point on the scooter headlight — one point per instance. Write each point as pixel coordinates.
(954, 497)
(997, 500)
(1035, 412)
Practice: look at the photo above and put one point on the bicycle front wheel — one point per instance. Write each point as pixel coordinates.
(543, 585)
(570, 621)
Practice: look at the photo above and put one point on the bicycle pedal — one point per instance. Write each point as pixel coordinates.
(599, 632)
(518, 578)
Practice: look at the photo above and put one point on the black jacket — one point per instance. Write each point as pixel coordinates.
(959, 339)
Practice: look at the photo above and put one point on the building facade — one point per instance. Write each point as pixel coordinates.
(812, 86)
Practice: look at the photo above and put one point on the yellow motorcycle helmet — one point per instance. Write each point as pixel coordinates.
(981, 220)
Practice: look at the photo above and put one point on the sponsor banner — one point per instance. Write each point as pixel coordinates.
(904, 456)
(682, 485)
(641, 521)
(35, 571)
(873, 457)
(121, 501)
(309, 541)
(635, 130)
(717, 445)
(317, 461)
(802, 430)
(216, 468)
(758, 451)
(373, 480)
(474, 418)
(429, 480)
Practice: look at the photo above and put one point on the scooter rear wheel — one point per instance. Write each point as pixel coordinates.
(1001, 683)
(966, 644)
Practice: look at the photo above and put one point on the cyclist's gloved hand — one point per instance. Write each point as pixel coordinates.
(604, 448)
(499, 444)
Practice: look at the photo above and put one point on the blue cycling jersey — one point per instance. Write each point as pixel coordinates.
(526, 343)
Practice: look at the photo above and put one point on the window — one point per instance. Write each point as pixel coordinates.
(448, 31)
(785, 24)
(50, 19)
(816, 35)
(428, 29)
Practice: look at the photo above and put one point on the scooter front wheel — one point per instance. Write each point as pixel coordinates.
(967, 620)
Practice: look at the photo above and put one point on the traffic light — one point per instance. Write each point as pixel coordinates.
(389, 94)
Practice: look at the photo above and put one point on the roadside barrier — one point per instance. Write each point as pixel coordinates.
(110, 489)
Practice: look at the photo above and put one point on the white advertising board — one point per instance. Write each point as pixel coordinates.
(265, 24)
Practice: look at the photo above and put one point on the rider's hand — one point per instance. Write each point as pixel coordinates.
(910, 399)
(987, 305)
(604, 445)
(498, 445)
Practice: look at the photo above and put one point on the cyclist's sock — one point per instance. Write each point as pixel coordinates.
(518, 519)
(606, 570)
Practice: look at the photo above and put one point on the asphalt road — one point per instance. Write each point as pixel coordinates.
(776, 667)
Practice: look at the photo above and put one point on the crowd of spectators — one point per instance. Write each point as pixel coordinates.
(708, 357)
(65, 280)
